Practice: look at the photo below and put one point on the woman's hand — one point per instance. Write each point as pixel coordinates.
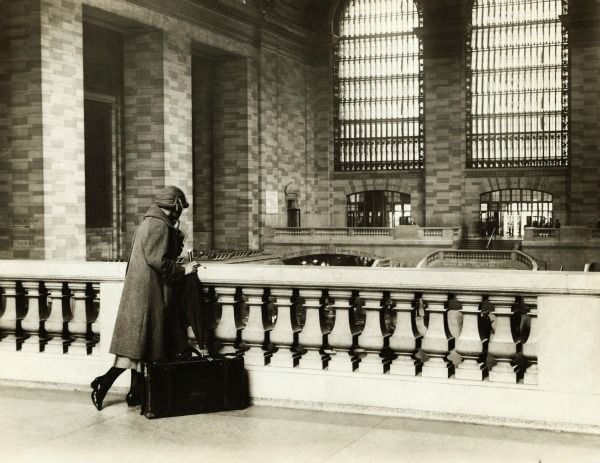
(191, 267)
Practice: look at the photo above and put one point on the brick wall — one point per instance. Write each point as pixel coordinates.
(21, 165)
(444, 87)
(284, 131)
(322, 165)
(158, 118)
(202, 106)
(177, 77)
(63, 143)
(267, 124)
(143, 122)
(585, 114)
(235, 150)
(444, 141)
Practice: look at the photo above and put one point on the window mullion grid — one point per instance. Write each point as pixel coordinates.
(514, 86)
(564, 97)
(377, 96)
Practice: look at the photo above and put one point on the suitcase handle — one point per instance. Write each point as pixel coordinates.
(200, 354)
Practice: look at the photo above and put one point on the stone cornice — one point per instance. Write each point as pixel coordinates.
(262, 15)
(255, 21)
(378, 174)
(516, 172)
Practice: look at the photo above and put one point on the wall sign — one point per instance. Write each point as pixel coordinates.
(272, 201)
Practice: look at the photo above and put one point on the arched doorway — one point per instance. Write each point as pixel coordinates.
(378, 208)
(507, 212)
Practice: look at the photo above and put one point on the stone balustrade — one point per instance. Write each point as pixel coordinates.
(333, 231)
(570, 234)
(480, 333)
(478, 258)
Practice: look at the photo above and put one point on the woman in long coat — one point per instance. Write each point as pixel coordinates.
(144, 328)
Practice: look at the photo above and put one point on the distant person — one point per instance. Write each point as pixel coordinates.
(144, 328)
(557, 223)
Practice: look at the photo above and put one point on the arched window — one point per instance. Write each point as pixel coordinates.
(517, 89)
(378, 208)
(378, 86)
(508, 212)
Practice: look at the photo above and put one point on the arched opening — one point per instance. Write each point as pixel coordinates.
(378, 208)
(507, 212)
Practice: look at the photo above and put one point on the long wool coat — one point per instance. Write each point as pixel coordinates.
(143, 328)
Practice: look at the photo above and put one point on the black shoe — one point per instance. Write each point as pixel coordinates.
(133, 399)
(98, 392)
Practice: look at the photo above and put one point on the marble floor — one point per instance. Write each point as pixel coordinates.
(46, 425)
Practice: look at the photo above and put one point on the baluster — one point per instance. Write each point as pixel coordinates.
(213, 312)
(469, 345)
(454, 323)
(340, 336)
(371, 339)
(22, 309)
(2, 307)
(45, 305)
(204, 320)
(298, 320)
(436, 343)
(31, 318)
(310, 338)
(520, 322)
(76, 319)
(8, 315)
(530, 344)
(226, 329)
(487, 327)
(501, 346)
(405, 341)
(92, 310)
(282, 334)
(54, 322)
(270, 315)
(253, 333)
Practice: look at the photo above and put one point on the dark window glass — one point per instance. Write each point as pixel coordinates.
(98, 128)
(378, 208)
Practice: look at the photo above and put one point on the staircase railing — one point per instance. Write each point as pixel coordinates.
(487, 246)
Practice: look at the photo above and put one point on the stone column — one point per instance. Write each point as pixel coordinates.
(63, 132)
(41, 130)
(584, 47)
(443, 52)
(158, 128)
(236, 163)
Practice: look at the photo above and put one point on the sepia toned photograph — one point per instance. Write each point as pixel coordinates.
(300, 231)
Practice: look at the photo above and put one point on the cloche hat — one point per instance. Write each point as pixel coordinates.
(169, 197)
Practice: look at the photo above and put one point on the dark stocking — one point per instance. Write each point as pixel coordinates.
(134, 396)
(102, 384)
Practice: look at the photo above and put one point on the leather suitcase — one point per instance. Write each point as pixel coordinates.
(195, 385)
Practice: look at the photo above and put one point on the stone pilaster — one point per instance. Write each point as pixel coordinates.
(444, 50)
(158, 127)
(21, 164)
(236, 163)
(584, 44)
(63, 132)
